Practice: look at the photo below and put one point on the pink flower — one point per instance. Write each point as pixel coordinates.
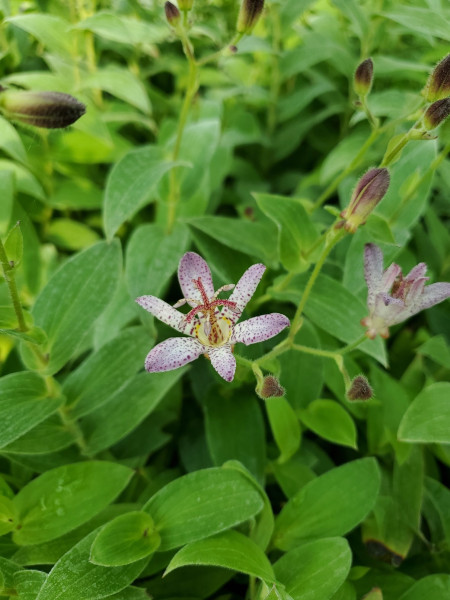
(392, 297)
(213, 330)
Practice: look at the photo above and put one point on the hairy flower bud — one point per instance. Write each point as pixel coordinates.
(248, 15)
(369, 191)
(438, 85)
(360, 389)
(185, 5)
(436, 113)
(270, 387)
(51, 110)
(362, 82)
(172, 14)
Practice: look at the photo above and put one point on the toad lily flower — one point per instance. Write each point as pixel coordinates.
(213, 330)
(393, 297)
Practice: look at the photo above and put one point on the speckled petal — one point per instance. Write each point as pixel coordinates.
(259, 328)
(373, 270)
(162, 311)
(388, 278)
(172, 354)
(244, 290)
(192, 266)
(417, 272)
(223, 361)
(433, 294)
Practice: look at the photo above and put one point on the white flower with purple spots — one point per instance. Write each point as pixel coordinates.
(211, 322)
(392, 297)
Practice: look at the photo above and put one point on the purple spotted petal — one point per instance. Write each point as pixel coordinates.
(373, 269)
(433, 294)
(260, 328)
(417, 272)
(223, 361)
(192, 266)
(172, 353)
(244, 290)
(162, 311)
(388, 278)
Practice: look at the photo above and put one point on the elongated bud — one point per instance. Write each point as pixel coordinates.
(436, 113)
(51, 110)
(248, 15)
(438, 84)
(172, 14)
(270, 387)
(360, 389)
(362, 82)
(369, 191)
(374, 594)
(185, 5)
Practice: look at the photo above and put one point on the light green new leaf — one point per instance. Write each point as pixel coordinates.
(7, 186)
(332, 504)
(420, 20)
(24, 403)
(427, 420)
(125, 540)
(122, 29)
(121, 83)
(70, 234)
(315, 570)
(74, 298)
(231, 550)
(51, 31)
(433, 587)
(201, 504)
(63, 498)
(330, 421)
(285, 426)
(11, 143)
(7, 515)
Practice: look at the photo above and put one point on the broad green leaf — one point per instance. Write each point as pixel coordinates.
(64, 498)
(316, 569)
(231, 550)
(56, 435)
(7, 185)
(70, 234)
(11, 143)
(201, 504)
(433, 587)
(8, 568)
(31, 260)
(24, 402)
(125, 540)
(14, 245)
(356, 15)
(122, 29)
(76, 195)
(285, 426)
(74, 298)
(347, 592)
(28, 583)
(296, 231)
(50, 30)
(332, 504)
(25, 181)
(132, 184)
(293, 475)
(420, 20)
(7, 515)
(427, 419)
(121, 83)
(75, 578)
(437, 349)
(437, 499)
(330, 421)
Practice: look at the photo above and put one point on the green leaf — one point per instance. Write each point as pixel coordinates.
(420, 20)
(11, 143)
(119, 82)
(230, 550)
(75, 578)
(25, 181)
(330, 421)
(296, 231)
(437, 349)
(50, 30)
(24, 402)
(14, 245)
(285, 426)
(433, 587)
(122, 29)
(28, 583)
(7, 185)
(201, 504)
(70, 234)
(332, 504)
(356, 15)
(315, 570)
(74, 298)
(132, 184)
(125, 540)
(437, 497)
(7, 515)
(64, 498)
(427, 419)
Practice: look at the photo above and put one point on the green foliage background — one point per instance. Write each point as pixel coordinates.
(110, 476)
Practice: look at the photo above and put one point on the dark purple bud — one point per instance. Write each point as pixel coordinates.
(438, 85)
(51, 110)
(172, 14)
(360, 389)
(248, 15)
(436, 113)
(271, 387)
(363, 79)
(369, 191)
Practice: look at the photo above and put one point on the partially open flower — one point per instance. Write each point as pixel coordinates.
(248, 15)
(51, 110)
(394, 297)
(438, 85)
(436, 113)
(213, 330)
(363, 78)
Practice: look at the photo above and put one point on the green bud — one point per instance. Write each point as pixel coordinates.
(360, 389)
(270, 388)
(369, 191)
(248, 15)
(52, 110)
(436, 113)
(185, 5)
(374, 594)
(172, 14)
(438, 85)
(362, 82)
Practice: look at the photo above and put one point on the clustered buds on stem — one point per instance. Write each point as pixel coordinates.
(270, 388)
(172, 14)
(248, 15)
(438, 85)
(51, 110)
(360, 389)
(436, 113)
(363, 78)
(370, 190)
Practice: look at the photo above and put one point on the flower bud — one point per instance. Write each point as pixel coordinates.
(248, 15)
(185, 5)
(360, 389)
(374, 594)
(51, 110)
(270, 387)
(438, 85)
(369, 191)
(362, 82)
(172, 14)
(436, 113)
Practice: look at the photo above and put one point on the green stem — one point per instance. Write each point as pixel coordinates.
(370, 117)
(73, 428)
(316, 351)
(10, 278)
(353, 345)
